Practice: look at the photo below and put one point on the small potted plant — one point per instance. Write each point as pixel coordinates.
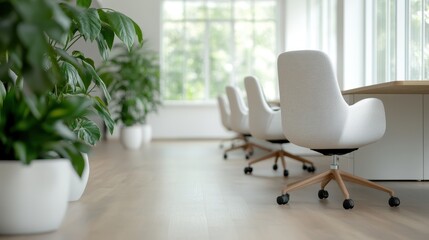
(133, 80)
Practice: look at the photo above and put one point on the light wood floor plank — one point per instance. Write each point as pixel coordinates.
(185, 190)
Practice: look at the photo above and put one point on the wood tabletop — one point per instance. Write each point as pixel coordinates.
(395, 87)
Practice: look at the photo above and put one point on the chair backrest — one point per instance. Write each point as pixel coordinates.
(264, 122)
(239, 112)
(313, 109)
(225, 113)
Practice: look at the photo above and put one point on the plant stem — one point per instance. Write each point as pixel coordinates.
(74, 40)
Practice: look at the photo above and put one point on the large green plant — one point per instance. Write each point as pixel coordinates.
(37, 46)
(133, 79)
(37, 68)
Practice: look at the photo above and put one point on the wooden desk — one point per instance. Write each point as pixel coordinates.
(403, 152)
(396, 87)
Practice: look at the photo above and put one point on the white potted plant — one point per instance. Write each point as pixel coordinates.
(45, 102)
(36, 145)
(36, 150)
(133, 79)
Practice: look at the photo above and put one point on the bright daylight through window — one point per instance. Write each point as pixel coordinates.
(400, 40)
(208, 44)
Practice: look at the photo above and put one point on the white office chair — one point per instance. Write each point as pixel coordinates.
(265, 123)
(225, 115)
(240, 120)
(315, 115)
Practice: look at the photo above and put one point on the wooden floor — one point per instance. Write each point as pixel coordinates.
(185, 190)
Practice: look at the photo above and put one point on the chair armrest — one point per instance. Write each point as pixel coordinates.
(366, 121)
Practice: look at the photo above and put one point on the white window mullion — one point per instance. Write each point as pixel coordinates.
(370, 32)
(185, 36)
(401, 39)
(422, 45)
(233, 49)
(207, 49)
(387, 43)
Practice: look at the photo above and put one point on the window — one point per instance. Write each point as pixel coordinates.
(400, 40)
(418, 47)
(208, 44)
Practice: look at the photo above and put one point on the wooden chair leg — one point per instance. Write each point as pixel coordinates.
(340, 182)
(325, 182)
(298, 158)
(265, 157)
(243, 146)
(309, 181)
(365, 182)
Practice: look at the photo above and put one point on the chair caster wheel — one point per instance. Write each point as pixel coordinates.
(311, 169)
(394, 201)
(275, 167)
(285, 173)
(283, 199)
(248, 170)
(348, 204)
(304, 167)
(225, 156)
(323, 194)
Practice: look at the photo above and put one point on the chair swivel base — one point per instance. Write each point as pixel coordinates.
(248, 147)
(281, 154)
(233, 141)
(339, 176)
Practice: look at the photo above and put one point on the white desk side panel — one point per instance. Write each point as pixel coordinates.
(399, 154)
(426, 137)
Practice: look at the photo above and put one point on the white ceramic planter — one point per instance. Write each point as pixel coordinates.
(131, 137)
(146, 134)
(34, 198)
(78, 184)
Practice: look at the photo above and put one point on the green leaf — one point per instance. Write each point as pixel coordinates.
(88, 131)
(63, 131)
(2, 92)
(84, 3)
(72, 76)
(77, 160)
(88, 21)
(103, 112)
(70, 107)
(37, 45)
(79, 105)
(122, 26)
(105, 42)
(97, 80)
(46, 15)
(109, 36)
(91, 24)
(21, 152)
(83, 73)
(139, 32)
